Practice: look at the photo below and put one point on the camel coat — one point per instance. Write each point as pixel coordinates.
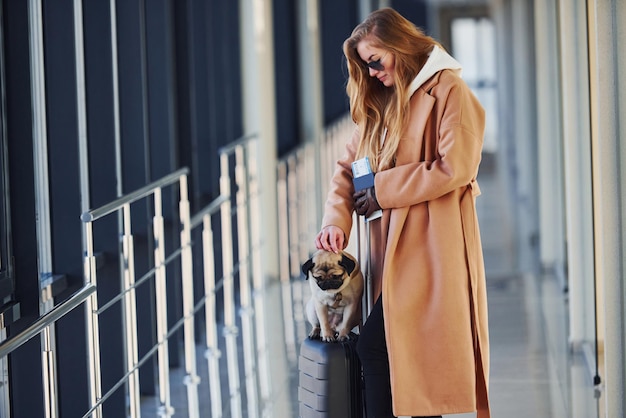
(426, 252)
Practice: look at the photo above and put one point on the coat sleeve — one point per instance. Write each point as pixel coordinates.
(339, 207)
(459, 146)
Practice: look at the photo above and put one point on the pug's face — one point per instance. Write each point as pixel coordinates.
(329, 270)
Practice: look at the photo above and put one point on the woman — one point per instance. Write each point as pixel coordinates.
(424, 348)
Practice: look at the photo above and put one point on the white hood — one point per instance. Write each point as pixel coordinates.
(438, 60)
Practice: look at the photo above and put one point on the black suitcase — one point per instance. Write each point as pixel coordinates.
(330, 379)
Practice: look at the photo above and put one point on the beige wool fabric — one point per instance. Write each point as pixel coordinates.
(426, 252)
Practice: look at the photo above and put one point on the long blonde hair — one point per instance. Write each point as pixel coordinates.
(373, 106)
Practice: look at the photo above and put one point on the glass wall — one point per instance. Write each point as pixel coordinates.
(473, 45)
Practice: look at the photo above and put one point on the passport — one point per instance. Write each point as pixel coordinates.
(363, 178)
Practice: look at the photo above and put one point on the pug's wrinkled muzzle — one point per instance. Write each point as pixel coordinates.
(329, 284)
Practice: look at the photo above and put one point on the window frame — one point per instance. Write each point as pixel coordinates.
(7, 279)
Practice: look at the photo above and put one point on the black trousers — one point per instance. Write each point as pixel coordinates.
(372, 351)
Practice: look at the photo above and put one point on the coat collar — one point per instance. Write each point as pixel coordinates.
(438, 60)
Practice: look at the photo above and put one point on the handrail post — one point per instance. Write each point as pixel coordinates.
(230, 327)
(289, 307)
(294, 222)
(191, 379)
(212, 353)
(312, 207)
(302, 202)
(245, 299)
(130, 311)
(48, 366)
(165, 407)
(257, 275)
(5, 401)
(283, 221)
(92, 325)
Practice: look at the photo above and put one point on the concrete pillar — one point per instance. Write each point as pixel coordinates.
(384, 3)
(608, 91)
(259, 116)
(311, 100)
(525, 133)
(577, 165)
(551, 215)
(365, 8)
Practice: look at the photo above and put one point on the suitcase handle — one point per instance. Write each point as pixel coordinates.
(366, 267)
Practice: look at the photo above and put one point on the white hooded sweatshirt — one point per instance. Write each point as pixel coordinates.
(438, 60)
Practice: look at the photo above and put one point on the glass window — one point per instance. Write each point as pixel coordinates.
(473, 45)
(6, 274)
(6, 279)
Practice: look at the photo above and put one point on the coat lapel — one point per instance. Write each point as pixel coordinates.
(411, 147)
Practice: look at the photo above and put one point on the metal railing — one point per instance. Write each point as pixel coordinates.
(238, 170)
(300, 217)
(240, 259)
(127, 298)
(299, 212)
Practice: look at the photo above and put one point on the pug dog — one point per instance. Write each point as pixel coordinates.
(336, 291)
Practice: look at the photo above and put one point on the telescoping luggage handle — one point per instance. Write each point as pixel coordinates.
(363, 178)
(366, 266)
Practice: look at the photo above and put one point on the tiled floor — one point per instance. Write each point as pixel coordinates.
(533, 372)
(527, 378)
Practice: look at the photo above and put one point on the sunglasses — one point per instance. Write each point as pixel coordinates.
(376, 65)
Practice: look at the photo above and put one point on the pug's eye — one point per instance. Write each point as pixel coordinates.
(337, 276)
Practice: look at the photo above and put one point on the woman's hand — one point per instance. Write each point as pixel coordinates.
(331, 238)
(365, 202)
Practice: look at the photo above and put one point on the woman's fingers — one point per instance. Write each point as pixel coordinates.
(330, 238)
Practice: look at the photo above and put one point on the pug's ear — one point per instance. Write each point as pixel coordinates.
(347, 263)
(306, 267)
